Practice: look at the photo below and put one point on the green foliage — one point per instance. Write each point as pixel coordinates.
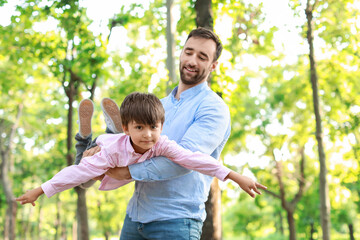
(270, 104)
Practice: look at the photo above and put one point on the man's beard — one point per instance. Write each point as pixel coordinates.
(197, 78)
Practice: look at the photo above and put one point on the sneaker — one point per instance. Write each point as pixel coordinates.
(112, 115)
(85, 112)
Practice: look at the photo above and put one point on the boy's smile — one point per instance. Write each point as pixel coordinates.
(143, 136)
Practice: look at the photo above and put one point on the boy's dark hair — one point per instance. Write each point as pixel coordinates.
(201, 32)
(143, 108)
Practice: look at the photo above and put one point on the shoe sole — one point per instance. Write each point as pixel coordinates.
(112, 111)
(86, 110)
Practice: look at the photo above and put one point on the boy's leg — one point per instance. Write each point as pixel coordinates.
(84, 136)
(112, 116)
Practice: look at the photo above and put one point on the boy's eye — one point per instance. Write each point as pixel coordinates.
(153, 127)
(138, 127)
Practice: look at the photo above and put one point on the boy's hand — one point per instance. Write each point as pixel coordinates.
(246, 183)
(30, 196)
(91, 151)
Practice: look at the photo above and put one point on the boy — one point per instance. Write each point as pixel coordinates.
(142, 117)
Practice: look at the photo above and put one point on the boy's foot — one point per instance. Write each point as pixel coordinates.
(85, 112)
(112, 115)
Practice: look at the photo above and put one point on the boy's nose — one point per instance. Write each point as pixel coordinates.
(147, 133)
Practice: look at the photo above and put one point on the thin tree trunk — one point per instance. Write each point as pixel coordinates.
(312, 231)
(351, 231)
(71, 92)
(170, 36)
(83, 233)
(212, 225)
(281, 225)
(291, 222)
(57, 223)
(10, 218)
(290, 206)
(324, 188)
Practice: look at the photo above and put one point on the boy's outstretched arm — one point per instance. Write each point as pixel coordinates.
(30, 196)
(246, 183)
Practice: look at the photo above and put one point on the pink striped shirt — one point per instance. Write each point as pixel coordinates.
(117, 151)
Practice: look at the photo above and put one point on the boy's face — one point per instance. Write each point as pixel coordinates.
(143, 136)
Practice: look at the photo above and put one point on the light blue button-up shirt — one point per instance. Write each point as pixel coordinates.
(199, 121)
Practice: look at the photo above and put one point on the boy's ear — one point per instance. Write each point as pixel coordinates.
(125, 129)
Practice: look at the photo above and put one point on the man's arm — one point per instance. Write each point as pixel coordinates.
(149, 170)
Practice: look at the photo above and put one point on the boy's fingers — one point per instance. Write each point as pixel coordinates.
(260, 186)
(248, 190)
(256, 190)
(91, 151)
(19, 198)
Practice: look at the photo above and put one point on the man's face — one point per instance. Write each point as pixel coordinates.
(197, 60)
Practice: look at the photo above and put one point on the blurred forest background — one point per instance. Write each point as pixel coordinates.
(289, 73)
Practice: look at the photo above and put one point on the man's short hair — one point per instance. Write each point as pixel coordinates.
(143, 108)
(201, 32)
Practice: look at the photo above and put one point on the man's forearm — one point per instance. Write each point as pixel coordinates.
(119, 173)
(156, 169)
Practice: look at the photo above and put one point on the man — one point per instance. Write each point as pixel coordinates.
(169, 200)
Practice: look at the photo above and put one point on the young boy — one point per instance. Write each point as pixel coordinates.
(142, 117)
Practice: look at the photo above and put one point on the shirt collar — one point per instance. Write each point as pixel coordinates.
(131, 150)
(190, 92)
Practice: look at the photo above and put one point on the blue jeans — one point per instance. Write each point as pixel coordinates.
(175, 229)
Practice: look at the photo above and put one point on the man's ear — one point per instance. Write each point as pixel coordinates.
(213, 66)
(125, 129)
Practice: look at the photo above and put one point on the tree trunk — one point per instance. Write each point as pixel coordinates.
(212, 229)
(291, 222)
(281, 225)
(212, 225)
(10, 218)
(170, 36)
(57, 223)
(312, 231)
(351, 231)
(204, 15)
(324, 188)
(83, 230)
(71, 92)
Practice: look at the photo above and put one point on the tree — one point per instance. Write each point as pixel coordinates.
(290, 206)
(170, 46)
(324, 188)
(212, 224)
(8, 129)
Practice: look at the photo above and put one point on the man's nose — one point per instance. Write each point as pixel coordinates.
(192, 60)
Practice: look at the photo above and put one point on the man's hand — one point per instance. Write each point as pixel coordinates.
(119, 173)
